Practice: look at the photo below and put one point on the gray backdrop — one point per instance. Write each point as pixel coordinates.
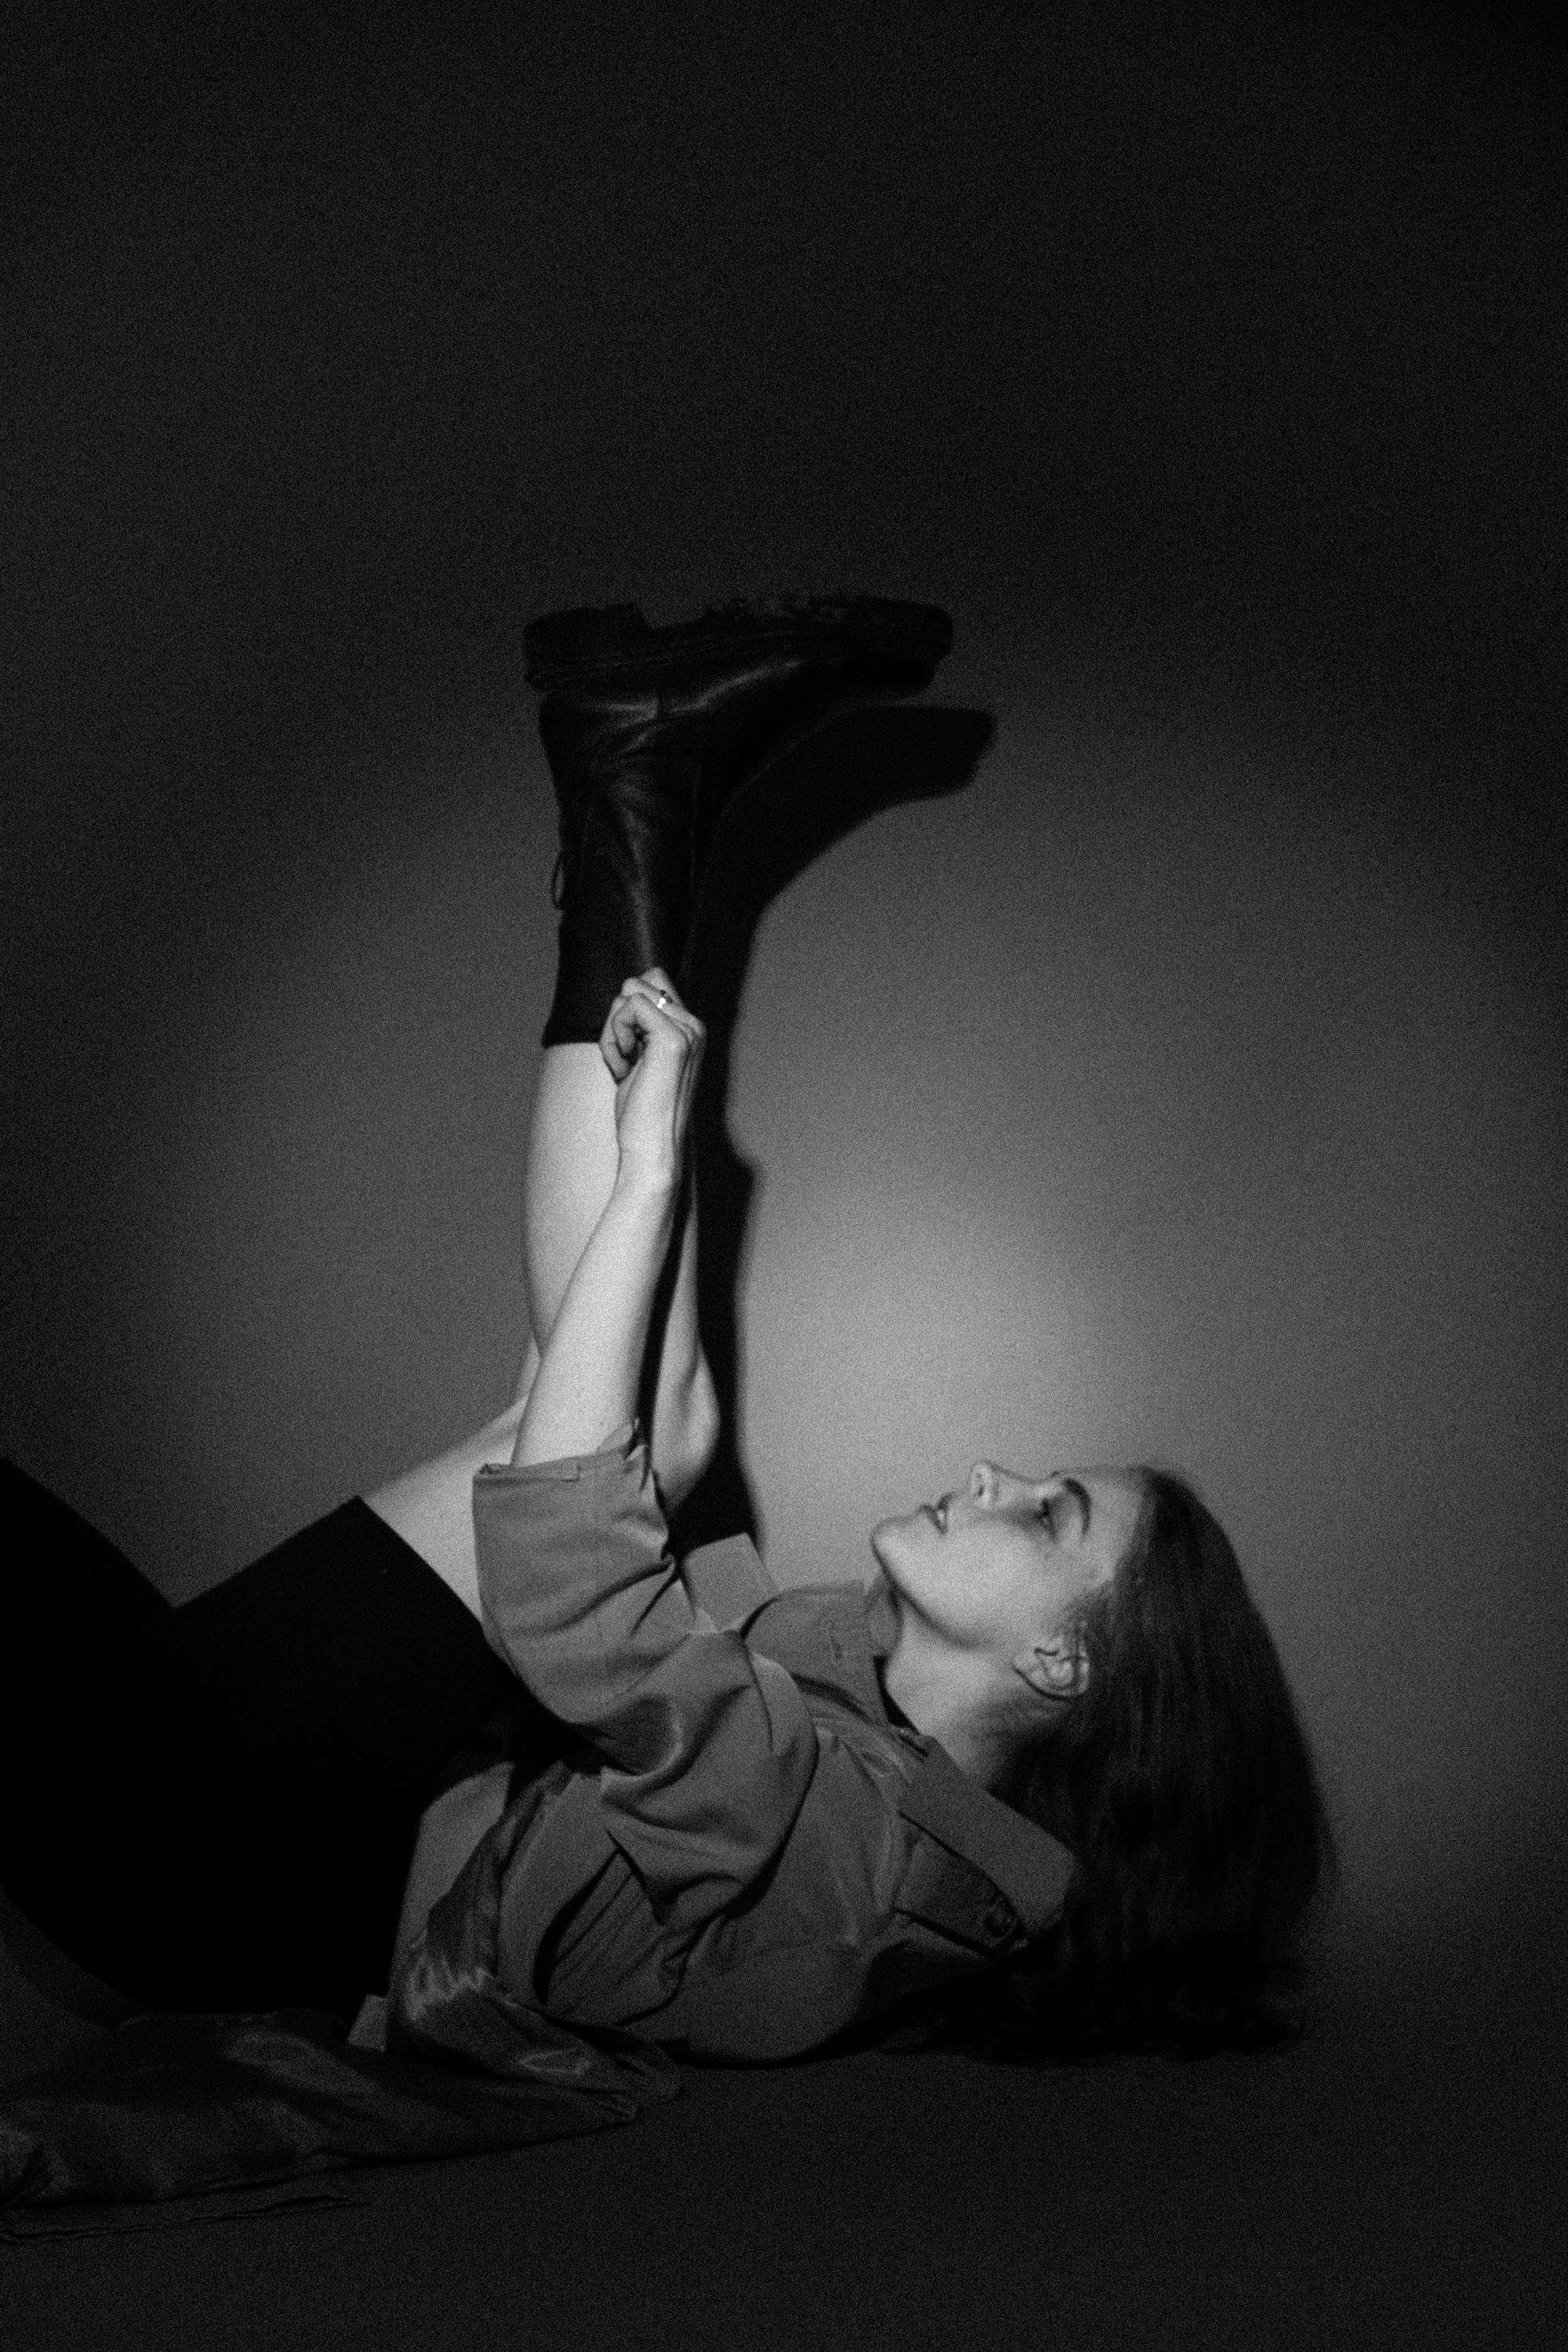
(1177, 1073)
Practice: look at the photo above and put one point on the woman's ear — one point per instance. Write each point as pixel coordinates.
(1056, 1669)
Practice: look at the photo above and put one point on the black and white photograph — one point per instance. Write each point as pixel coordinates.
(784, 1095)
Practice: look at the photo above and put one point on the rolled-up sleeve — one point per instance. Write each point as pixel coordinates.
(705, 1749)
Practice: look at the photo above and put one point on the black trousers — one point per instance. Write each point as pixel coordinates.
(214, 1807)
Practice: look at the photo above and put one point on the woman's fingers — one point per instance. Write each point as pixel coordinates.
(626, 1027)
(653, 1047)
(657, 988)
(644, 1000)
(658, 981)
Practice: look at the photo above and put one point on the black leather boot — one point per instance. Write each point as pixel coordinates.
(651, 732)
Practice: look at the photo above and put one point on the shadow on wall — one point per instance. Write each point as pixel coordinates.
(1197, 362)
(856, 767)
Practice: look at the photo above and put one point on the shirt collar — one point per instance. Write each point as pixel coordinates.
(838, 1634)
(1022, 1860)
(1028, 1866)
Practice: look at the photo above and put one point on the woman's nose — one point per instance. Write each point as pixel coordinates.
(983, 1481)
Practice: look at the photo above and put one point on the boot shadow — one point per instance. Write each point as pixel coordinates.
(868, 760)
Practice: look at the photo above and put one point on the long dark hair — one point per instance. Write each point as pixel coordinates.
(1182, 1782)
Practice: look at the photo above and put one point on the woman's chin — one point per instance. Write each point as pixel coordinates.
(884, 1539)
(890, 1541)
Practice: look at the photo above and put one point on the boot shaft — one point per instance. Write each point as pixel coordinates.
(651, 734)
(628, 888)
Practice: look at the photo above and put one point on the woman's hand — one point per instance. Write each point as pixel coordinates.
(654, 1051)
(591, 1367)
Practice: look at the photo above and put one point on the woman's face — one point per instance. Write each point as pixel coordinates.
(1006, 1562)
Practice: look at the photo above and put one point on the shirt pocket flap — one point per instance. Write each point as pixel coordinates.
(949, 1893)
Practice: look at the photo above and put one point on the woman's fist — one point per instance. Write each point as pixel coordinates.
(653, 1048)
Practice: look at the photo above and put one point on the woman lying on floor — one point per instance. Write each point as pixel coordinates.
(478, 1744)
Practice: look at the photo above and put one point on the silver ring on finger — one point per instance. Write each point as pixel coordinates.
(662, 999)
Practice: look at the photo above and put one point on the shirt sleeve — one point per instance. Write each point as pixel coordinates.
(706, 1750)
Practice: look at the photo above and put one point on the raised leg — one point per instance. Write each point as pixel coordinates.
(649, 734)
(569, 1171)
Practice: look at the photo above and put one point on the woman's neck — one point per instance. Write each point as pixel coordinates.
(950, 1697)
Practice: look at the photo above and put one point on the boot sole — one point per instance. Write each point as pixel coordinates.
(614, 641)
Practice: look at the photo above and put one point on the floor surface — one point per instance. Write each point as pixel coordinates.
(1397, 2181)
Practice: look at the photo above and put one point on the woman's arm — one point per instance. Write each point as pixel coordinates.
(587, 1385)
(590, 1374)
(570, 1171)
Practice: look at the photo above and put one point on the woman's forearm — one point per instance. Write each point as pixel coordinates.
(590, 1374)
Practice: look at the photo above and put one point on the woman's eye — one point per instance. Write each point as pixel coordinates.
(1045, 1515)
